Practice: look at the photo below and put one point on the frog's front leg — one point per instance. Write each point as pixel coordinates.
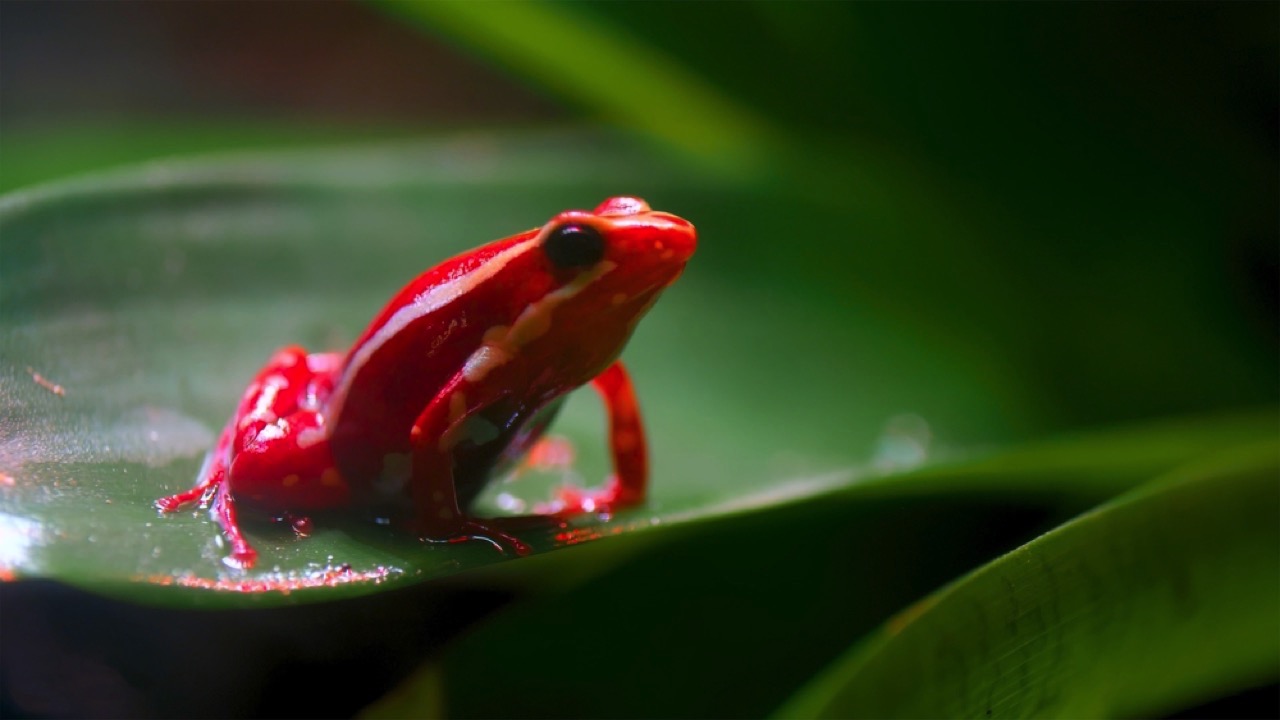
(435, 435)
(627, 442)
(626, 486)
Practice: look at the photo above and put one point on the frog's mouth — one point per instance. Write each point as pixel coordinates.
(647, 251)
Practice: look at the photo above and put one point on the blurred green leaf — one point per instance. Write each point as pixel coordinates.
(1162, 598)
(914, 246)
(610, 70)
(54, 152)
(1071, 247)
(740, 611)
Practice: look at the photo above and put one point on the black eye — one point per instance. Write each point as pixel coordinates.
(573, 246)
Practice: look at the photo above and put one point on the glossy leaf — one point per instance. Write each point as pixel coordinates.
(741, 610)
(1162, 598)
(136, 304)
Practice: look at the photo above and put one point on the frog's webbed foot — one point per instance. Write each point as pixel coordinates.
(243, 556)
(212, 478)
(571, 499)
(174, 503)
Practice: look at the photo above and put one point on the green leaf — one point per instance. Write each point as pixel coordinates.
(740, 610)
(1164, 597)
(607, 69)
(47, 153)
(150, 296)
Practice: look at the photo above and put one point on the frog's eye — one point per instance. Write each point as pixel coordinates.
(573, 246)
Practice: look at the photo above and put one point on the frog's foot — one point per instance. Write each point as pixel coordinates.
(473, 529)
(173, 503)
(571, 500)
(242, 559)
(550, 454)
(211, 482)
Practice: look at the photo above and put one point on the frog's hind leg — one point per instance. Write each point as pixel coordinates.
(212, 476)
(263, 402)
(243, 556)
(173, 503)
(213, 488)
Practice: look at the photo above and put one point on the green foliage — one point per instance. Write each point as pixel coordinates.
(145, 301)
(731, 616)
(37, 155)
(625, 79)
(1094, 618)
(928, 233)
(1057, 203)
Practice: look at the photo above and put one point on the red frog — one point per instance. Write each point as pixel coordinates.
(460, 373)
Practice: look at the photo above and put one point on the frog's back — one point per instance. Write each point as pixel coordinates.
(421, 339)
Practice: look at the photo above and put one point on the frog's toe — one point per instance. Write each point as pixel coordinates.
(571, 500)
(242, 559)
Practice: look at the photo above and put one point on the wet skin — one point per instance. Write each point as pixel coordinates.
(460, 372)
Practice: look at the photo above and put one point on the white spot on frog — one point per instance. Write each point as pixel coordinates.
(309, 436)
(457, 406)
(483, 361)
(275, 431)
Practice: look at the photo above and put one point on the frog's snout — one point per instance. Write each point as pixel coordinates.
(676, 238)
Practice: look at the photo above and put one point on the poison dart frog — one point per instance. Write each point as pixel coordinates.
(458, 375)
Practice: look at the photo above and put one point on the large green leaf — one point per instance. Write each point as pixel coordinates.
(739, 611)
(150, 296)
(1166, 596)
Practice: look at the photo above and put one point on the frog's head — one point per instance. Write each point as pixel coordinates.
(609, 266)
(622, 245)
